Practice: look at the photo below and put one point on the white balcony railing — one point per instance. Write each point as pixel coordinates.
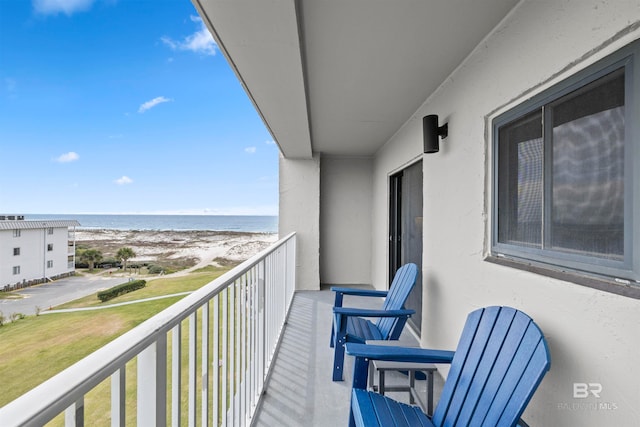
(234, 323)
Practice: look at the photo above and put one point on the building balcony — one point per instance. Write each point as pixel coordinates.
(300, 391)
(215, 345)
(272, 365)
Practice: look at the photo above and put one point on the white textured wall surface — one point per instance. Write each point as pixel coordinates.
(59, 255)
(33, 254)
(593, 335)
(345, 220)
(300, 212)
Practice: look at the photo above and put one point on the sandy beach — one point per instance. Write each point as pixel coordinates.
(178, 248)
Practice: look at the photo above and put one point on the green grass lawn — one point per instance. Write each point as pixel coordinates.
(38, 347)
(98, 401)
(154, 288)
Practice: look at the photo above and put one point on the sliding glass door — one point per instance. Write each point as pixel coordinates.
(405, 231)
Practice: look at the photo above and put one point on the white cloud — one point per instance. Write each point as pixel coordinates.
(68, 7)
(200, 42)
(270, 142)
(123, 180)
(150, 104)
(71, 156)
(250, 150)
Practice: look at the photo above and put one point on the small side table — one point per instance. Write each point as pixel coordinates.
(382, 366)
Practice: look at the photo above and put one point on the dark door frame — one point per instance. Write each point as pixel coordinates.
(405, 230)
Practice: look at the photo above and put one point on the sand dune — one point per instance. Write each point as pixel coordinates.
(199, 246)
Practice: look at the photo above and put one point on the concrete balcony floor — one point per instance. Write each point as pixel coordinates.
(300, 391)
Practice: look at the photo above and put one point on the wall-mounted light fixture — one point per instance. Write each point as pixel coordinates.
(432, 133)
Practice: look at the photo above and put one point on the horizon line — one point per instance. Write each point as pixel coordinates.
(176, 213)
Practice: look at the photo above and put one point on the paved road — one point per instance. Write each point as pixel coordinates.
(119, 304)
(56, 293)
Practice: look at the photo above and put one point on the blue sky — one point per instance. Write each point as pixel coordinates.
(125, 106)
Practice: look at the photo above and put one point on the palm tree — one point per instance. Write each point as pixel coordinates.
(124, 254)
(91, 256)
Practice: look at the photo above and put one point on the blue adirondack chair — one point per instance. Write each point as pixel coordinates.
(350, 325)
(501, 359)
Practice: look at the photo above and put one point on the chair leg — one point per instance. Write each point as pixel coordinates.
(338, 359)
(361, 374)
(336, 303)
(333, 335)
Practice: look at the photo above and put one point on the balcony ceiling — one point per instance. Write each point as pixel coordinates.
(340, 77)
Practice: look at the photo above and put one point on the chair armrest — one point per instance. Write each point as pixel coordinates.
(360, 292)
(399, 354)
(365, 312)
(365, 353)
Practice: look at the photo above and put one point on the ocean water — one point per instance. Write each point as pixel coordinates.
(255, 224)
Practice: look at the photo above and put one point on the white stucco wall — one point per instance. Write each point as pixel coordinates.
(60, 253)
(593, 335)
(33, 254)
(30, 259)
(300, 212)
(345, 220)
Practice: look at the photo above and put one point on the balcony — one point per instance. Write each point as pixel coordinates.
(273, 360)
(300, 391)
(161, 371)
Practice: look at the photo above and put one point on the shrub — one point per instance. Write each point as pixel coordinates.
(155, 269)
(16, 316)
(124, 288)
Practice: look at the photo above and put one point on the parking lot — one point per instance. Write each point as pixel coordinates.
(55, 293)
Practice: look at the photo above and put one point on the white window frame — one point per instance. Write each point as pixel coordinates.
(49, 264)
(16, 251)
(16, 270)
(16, 232)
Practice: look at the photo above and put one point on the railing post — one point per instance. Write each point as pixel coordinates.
(176, 375)
(74, 415)
(291, 265)
(205, 364)
(243, 349)
(262, 342)
(237, 391)
(193, 341)
(118, 395)
(152, 384)
(225, 356)
(232, 353)
(215, 363)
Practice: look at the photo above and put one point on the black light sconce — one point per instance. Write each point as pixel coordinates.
(432, 133)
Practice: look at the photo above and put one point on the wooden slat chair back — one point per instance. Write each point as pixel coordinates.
(501, 359)
(353, 325)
